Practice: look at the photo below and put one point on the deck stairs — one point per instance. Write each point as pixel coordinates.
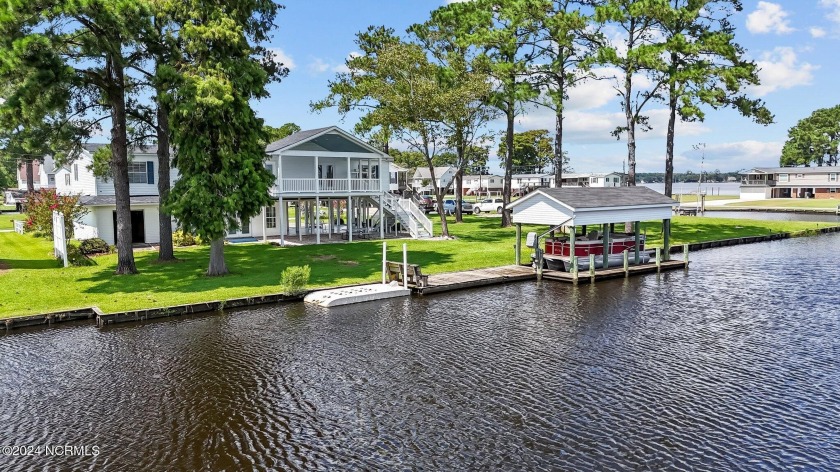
(406, 212)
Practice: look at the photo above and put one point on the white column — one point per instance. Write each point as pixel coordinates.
(263, 224)
(297, 220)
(350, 218)
(329, 218)
(284, 220)
(317, 219)
(317, 180)
(381, 216)
(280, 173)
(349, 183)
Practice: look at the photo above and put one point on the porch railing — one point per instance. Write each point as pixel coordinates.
(327, 186)
(762, 183)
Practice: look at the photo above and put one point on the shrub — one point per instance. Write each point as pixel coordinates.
(293, 280)
(180, 238)
(40, 205)
(94, 246)
(76, 257)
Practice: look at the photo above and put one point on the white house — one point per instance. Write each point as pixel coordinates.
(421, 181)
(481, 184)
(790, 182)
(398, 178)
(612, 179)
(324, 172)
(97, 193)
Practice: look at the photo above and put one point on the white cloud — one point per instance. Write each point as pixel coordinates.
(769, 18)
(281, 56)
(834, 6)
(318, 66)
(732, 156)
(595, 127)
(816, 32)
(780, 69)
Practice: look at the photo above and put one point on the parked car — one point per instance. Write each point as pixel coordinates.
(426, 203)
(489, 205)
(449, 207)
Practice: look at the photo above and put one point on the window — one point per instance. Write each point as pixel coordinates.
(374, 171)
(784, 177)
(270, 216)
(595, 180)
(76, 172)
(832, 177)
(141, 173)
(270, 168)
(67, 179)
(799, 176)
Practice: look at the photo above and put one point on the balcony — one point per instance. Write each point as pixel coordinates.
(325, 186)
(758, 183)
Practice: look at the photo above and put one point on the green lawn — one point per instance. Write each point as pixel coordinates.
(7, 208)
(6, 219)
(789, 203)
(32, 281)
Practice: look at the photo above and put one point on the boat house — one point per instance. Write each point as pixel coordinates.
(575, 210)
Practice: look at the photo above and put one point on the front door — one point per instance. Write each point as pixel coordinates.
(243, 230)
(138, 227)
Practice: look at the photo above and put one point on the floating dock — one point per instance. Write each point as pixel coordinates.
(357, 294)
(476, 278)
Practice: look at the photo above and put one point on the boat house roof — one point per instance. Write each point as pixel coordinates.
(576, 206)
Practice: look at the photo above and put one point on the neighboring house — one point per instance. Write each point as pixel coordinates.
(483, 184)
(790, 182)
(524, 183)
(398, 178)
(43, 170)
(421, 181)
(612, 179)
(97, 193)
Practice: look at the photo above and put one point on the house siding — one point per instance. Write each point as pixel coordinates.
(539, 209)
(620, 216)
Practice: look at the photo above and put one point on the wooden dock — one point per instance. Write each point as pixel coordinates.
(584, 276)
(499, 275)
(476, 278)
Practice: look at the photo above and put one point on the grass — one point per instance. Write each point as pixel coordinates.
(789, 203)
(7, 208)
(6, 220)
(32, 282)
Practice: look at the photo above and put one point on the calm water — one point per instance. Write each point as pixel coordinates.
(710, 188)
(733, 365)
(774, 216)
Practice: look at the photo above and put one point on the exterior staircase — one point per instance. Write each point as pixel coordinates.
(407, 213)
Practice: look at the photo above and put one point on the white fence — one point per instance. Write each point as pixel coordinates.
(59, 238)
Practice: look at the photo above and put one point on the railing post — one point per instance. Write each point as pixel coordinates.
(384, 261)
(592, 266)
(685, 253)
(405, 265)
(658, 259)
(626, 263)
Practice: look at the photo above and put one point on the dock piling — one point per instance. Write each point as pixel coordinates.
(626, 263)
(592, 266)
(685, 253)
(658, 259)
(384, 262)
(405, 265)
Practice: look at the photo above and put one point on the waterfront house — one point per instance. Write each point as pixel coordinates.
(611, 179)
(421, 181)
(762, 183)
(483, 184)
(322, 176)
(43, 172)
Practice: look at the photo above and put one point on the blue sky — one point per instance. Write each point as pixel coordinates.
(794, 42)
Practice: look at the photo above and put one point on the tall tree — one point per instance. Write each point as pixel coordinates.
(703, 66)
(351, 90)
(567, 37)
(466, 118)
(814, 140)
(216, 134)
(503, 31)
(80, 51)
(637, 55)
(532, 150)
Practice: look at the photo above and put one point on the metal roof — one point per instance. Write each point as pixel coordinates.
(108, 200)
(329, 139)
(294, 138)
(578, 198)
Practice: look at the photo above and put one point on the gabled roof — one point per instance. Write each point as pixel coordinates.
(108, 200)
(331, 139)
(424, 173)
(587, 198)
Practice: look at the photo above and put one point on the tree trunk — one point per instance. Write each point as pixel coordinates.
(631, 132)
(444, 228)
(558, 134)
(669, 142)
(217, 258)
(30, 178)
(506, 221)
(166, 252)
(119, 168)
(459, 195)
